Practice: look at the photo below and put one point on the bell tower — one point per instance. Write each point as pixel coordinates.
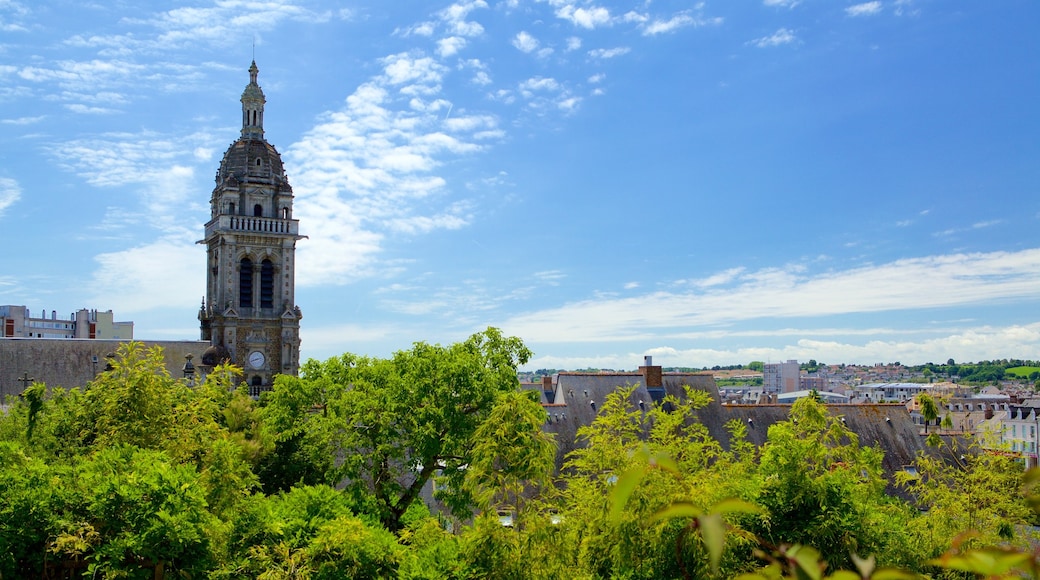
(249, 314)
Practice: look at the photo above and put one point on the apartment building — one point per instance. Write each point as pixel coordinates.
(18, 322)
(782, 377)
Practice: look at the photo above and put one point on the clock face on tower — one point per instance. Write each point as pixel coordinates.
(256, 359)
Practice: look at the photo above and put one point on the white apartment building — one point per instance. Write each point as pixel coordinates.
(782, 377)
(1019, 433)
(18, 322)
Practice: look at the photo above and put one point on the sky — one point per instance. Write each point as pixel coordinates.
(707, 183)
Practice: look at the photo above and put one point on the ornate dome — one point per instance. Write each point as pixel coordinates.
(251, 159)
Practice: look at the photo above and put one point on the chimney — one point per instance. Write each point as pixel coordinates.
(547, 383)
(651, 374)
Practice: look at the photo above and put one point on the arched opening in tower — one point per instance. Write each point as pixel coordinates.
(245, 284)
(266, 284)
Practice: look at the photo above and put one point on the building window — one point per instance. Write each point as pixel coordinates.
(266, 284)
(245, 284)
(258, 210)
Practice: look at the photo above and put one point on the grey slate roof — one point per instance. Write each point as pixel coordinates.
(898, 437)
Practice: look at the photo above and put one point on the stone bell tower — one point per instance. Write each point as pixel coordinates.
(249, 314)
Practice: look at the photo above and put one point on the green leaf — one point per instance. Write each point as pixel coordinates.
(623, 489)
(665, 462)
(713, 534)
(679, 509)
(807, 561)
(985, 561)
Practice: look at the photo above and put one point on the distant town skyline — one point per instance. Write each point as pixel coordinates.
(709, 184)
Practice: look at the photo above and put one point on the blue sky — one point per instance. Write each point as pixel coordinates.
(709, 183)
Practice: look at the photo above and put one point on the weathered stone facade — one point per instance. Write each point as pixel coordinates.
(72, 363)
(250, 315)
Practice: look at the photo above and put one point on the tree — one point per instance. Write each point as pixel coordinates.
(929, 409)
(820, 488)
(755, 365)
(393, 424)
(512, 456)
(602, 541)
(964, 490)
(131, 403)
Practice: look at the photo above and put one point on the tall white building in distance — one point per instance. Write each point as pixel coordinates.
(781, 377)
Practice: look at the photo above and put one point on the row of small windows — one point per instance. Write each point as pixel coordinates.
(246, 276)
(1014, 430)
(258, 210)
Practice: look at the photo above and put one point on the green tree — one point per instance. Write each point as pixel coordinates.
(393, 424)
(136, 511)
(512, 457)
(626, 542)
(929, 409)
(819, 487)
(962, 490)
(131, 403)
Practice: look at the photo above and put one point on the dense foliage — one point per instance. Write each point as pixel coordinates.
(139, 475)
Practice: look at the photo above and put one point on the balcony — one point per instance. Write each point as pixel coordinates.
(252, 225)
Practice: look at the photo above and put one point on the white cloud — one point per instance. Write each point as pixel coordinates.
(370, 169)
(160, 169)
(85, 110)
(128, 278)
(420, 29)
(724, 277)
(905, 8)
(609, 52)
(552, 277)
(970, 343)
(24, 120)
(11, 15)
(10, 193)
(780, 37)
(455, 15)
(986, 224)
(539, 84)
(782, 3)
(568, 104)
(681, 20)
(589, 18)
(450, 46)
(524, 42)
(864, 9)
(411, 68)
(573, 43)
(222, 23)
(911, 284)
(635, 17)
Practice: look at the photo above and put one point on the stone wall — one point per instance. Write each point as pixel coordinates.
(71, 362)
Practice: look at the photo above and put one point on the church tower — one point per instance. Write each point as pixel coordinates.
(249, 314)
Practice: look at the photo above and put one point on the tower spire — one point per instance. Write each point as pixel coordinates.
(253, 106)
